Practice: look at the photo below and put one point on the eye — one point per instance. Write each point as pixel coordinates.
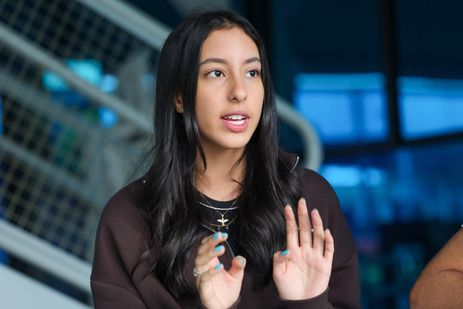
(253, 73)
(215, 73)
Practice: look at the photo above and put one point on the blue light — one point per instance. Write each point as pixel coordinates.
(109, 83)
(344, 108)
(87, 69)
(430, 107)
(108, 117)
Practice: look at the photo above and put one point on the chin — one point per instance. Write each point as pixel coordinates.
(237, 143)
(227, 142)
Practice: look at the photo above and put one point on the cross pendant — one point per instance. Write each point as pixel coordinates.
(223, 221)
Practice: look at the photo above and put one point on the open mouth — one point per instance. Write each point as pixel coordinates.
(236, 122)
(236, 119)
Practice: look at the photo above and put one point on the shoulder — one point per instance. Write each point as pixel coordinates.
(122, 210)
(308, 179)
(312, 186)
(315, 187)
(121, 236)
(313, 180)
(119, 247)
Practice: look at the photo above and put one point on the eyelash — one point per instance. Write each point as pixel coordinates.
(214, 71)
(256, 72)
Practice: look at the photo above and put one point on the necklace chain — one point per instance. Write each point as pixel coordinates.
(218, 208)
(223, 220)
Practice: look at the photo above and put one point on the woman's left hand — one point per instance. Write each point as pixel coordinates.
(304, 269)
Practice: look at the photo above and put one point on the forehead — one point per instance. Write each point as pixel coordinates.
(232, 42)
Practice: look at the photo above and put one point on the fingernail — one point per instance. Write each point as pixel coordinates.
(303, 199)
(315, 210)
(218, 248)
(241, 259)
(283, 253)
(224, 234)
(328, 230)
(216, 236)
(218, 266)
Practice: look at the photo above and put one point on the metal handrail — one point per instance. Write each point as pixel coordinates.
(40, 57)
(132, 20)
(313, 149)
(48, 170)
(43, 255)
(154, 33)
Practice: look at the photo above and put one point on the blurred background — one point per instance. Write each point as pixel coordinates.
(370, 95)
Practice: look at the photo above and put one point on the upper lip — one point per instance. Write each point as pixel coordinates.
(243, 114)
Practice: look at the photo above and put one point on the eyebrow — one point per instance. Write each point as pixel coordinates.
(223, 61)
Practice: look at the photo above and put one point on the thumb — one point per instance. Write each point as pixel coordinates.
(237, 267)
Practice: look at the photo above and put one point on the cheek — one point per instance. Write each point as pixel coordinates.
(205, 112)
(260, 93)
(203, 108)
(261, 102)
(200, 104)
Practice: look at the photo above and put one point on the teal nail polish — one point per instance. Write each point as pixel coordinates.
(283, 253)
(224, 234)
(216, 236)
(218, 248)
(218, 266)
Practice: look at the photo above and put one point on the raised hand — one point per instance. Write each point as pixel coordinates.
(218, 288)
(303, 270)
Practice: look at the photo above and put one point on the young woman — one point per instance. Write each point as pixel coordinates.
(212, 223)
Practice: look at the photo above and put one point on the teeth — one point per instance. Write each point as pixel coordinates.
(235, 117)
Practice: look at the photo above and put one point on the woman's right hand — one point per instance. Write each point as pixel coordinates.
(218, 288)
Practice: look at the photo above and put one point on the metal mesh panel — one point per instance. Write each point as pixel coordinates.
(61, 158)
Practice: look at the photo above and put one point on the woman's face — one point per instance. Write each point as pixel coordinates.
(230, 91)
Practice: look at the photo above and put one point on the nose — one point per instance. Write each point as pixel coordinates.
(238, 92)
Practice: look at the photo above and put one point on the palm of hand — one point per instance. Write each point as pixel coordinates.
(304, 275)
(220, 291)
(217, 287)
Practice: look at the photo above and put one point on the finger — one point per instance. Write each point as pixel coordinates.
(237, 268)
(329, 245)
(280, 257)
(305, 234)
(212, 241)
(203, 260)
(291, 228)
(217, 237)
(209, 251)
(214, 271)
(318, 233)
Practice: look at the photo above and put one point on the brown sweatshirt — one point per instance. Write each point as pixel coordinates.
(119, 277)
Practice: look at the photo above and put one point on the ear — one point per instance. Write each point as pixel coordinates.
(179, 104)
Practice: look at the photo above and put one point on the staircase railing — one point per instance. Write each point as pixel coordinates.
(42, 254)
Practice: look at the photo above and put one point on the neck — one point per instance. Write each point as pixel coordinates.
(222, 178)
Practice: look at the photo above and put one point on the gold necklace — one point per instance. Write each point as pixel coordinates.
(223, 220)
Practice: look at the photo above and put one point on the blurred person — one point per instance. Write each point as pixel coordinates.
(223, 218)
(440, 285)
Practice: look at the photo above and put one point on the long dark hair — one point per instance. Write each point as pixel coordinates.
(168, 199)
